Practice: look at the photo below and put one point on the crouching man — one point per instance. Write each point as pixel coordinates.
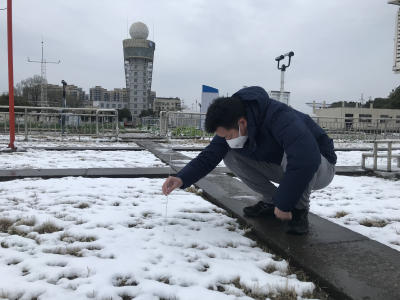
(263, 141)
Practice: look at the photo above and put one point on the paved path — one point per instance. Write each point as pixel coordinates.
(349, 265)
(91, 172)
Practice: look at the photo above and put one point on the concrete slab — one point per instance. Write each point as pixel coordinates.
(364, 269)
(130, 172)
(43, 173)
(6, 175)
(345, 263)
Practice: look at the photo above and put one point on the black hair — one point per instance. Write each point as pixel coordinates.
(225, 112)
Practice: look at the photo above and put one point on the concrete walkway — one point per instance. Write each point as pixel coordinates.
(91, 172)
(349, 265)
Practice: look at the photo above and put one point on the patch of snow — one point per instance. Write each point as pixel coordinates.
(349, 201)
(42, 159)
(111, 242)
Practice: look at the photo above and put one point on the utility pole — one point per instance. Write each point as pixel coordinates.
(362, 99)
(64, 104)
(43, 92)
(10, 75)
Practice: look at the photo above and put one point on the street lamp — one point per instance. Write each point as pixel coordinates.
(283, 69)
(200, 116)
(396, 58)
(64, 104)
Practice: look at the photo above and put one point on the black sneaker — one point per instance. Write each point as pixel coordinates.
(299, 222)
(261, 209)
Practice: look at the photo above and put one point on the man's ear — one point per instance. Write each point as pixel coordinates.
(243, 121)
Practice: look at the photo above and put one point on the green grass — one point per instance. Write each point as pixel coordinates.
(189, 131)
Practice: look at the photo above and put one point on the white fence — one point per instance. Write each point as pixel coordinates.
(31, 120)
(360, 128)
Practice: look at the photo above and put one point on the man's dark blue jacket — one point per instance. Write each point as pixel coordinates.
(273, 128)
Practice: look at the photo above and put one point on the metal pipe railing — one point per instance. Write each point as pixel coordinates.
(74, 127)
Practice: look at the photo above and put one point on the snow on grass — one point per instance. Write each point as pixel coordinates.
(80, 238)
(42, 159)
(367, 205)
(345, 158)
(66, 141)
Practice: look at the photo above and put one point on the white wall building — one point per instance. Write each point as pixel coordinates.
(110, 104)
(138, 64)
(285, 97)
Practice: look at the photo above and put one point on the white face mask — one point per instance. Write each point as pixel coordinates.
(237, 142)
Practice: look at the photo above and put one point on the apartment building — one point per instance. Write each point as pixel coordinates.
(167, 104)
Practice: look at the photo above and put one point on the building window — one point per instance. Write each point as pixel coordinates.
(113, 106)
(135, 93)
(135, 112)
(144, 105)
(398, 117)
(134, 99)
(144, 86)
(107, 105)
(134, 105)
(135, 66)
(102, 105)
(144, 93)
(365, 120)
(135, 86)
(385, 117)
(135, 80)
(119, 105)
(144, 74)
(135, 73)
(163, 107)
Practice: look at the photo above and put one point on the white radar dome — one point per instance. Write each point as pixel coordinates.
(139, 30)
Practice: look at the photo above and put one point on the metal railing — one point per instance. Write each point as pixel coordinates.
(350, 128)
(190, 125)
(183, 125)
(47, 120)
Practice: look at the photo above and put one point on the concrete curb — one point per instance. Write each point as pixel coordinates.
(6, 175)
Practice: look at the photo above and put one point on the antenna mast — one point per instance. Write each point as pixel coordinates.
(43, 92)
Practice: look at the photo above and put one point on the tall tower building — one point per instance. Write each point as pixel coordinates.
(138, 62)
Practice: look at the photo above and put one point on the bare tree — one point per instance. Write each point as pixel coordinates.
(54, 97)
(30, 89)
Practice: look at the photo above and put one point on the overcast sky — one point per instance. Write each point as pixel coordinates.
(342, 47)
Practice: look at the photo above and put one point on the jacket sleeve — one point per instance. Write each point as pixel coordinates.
(204, 163)
(303, 157)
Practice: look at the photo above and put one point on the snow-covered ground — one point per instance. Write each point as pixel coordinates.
(80, 238)
(42, 159)
(367, 205)
(337, 143)
(67, 141)
(350, 158)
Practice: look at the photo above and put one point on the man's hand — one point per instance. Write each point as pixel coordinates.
(170, 184)
(282, 215)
